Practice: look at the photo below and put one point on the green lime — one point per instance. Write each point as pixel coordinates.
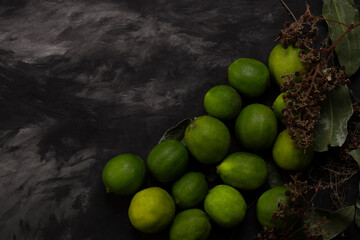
(151, 210)
(124, 174)
(167, 161)
(249, 76)
(223, 102)
(208, 139)
(191, 224)
(284, 61)
(190, 190)
(225, 205)
(243, 170)
(268, 204)
(278, 106)
(287, 156)
(256, 127)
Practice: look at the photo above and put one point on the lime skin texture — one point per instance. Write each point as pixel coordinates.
(207, 139)
(190, 190)
(249, 76)
(256, 127)
(167, 161)
(268, 204)
(283, 61)
(278, 106)
(124, 174)
(243, 170)
(225, 205)
(151, 210)
(223, 102)
(190, 224)
(287, 156)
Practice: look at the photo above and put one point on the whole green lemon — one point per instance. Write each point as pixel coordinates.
(190, 190)
(191, 224)
(223, 102)
(268, 204)
(225, 205)
(278, 106)
(284, 61)
(243, 170)
(287, 156)
(208, 139)
(124, 174)
(151, 210)
(256, 127)
(167, 161)
(249, 76)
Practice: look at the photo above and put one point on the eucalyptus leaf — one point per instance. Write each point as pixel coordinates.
(338, 221)
(274, 176)
(357, 212)
(300, 234)
(348, 49)
(356, 155)
(177, 132)
(331, 128)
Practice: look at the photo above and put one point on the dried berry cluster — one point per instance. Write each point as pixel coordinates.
(267, 233)
(301, 33)
(306, 89)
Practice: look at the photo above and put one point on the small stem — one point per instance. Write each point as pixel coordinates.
(349, 28)
(287, 8)
(317, 189)
(330, 20)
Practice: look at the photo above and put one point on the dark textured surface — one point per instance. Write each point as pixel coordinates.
(83, 81)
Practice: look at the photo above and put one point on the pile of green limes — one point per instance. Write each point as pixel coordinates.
(207, 139)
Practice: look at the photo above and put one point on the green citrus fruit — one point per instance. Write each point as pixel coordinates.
(223, 102)
(284, 61)
(268, 204)
(249, 76)
(243, 170)
(287, 156)
(208, 139)
(167, 161)
(191, 224)
(256, 127)
(124, 174)
(278, 106)
(225, 205)
(151, 210)
(190, 190)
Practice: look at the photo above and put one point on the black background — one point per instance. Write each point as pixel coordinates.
(83, 81)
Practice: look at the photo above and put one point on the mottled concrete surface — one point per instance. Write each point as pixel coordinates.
(83, 81)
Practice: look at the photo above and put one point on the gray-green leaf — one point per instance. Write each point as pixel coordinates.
(337, 222)
(348, 49)
(356, 155)
(357, 212)
(331, 128)
(177, 132)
